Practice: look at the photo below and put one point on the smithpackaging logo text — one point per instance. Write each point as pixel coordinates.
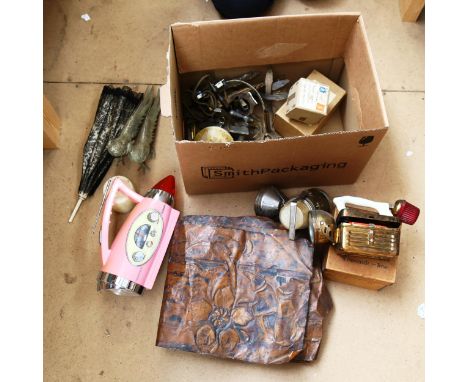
(226, 172)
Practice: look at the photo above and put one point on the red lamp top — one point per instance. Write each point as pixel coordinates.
(167, 184)
(406, 212)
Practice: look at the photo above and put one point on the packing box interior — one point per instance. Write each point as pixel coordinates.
(334, 44)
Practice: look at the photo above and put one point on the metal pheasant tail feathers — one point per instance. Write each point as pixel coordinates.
(141, 147)
(120, 145)
(115, 107)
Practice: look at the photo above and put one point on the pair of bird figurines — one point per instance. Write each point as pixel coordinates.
(136, 138)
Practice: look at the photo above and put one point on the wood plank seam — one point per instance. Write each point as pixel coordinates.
(51, 126)
(410, 9)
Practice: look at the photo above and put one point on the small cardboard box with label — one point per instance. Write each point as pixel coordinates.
(289, 127)
(307, 101)
(362, 272)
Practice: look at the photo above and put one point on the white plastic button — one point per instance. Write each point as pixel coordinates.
(138, 256)
(152, 216)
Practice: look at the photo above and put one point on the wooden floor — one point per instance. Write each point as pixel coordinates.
(370, 336)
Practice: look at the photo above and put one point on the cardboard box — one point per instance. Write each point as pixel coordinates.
(288, 127)
(336, 92)
(362, 272)
(307, 101)
(334, 44)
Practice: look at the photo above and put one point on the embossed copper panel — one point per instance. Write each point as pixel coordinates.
(238, 288)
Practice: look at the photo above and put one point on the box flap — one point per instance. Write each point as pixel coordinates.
(221, 44)
(362, 80)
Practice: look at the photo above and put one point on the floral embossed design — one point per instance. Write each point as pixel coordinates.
(219, 317)
(218, 330)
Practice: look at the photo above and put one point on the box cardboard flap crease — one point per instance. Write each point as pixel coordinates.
(334, 44)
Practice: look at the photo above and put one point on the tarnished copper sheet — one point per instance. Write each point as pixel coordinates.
(239, 288)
